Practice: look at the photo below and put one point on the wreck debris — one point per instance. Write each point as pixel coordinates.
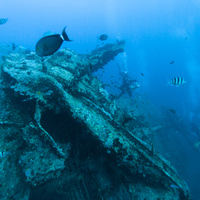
(101, 56)
(74, 131)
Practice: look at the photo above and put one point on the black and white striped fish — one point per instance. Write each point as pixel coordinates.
(3, 21)
(177, 81)
(103, 37)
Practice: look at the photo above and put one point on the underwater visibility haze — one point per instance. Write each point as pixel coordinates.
(158, 71)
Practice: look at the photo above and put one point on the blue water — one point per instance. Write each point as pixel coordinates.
(156, 32)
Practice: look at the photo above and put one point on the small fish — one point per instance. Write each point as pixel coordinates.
(3, 21)
(177, 81)
(14, 46)
(172, 110)
(142, 74)
(175, 186)
(103, 37)
(49, 44)
(105, 84)
(172, 62)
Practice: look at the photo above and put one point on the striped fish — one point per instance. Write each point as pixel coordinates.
(177, 81)
(3, 20)
(103, 37)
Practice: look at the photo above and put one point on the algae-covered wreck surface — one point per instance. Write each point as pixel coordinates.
(63, 137)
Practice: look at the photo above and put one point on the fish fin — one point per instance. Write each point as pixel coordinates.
(65, 36)
(168, 83)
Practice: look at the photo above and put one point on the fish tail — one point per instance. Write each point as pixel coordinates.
(65, 36)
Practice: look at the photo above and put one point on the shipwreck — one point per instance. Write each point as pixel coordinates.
(63, 137)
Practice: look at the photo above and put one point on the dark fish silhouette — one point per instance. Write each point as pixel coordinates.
(49, 44)
(3, 20)
(172, 110)
(172, 62)
(103, 37)
(14, 46)
(142, 74)
(177, 81)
